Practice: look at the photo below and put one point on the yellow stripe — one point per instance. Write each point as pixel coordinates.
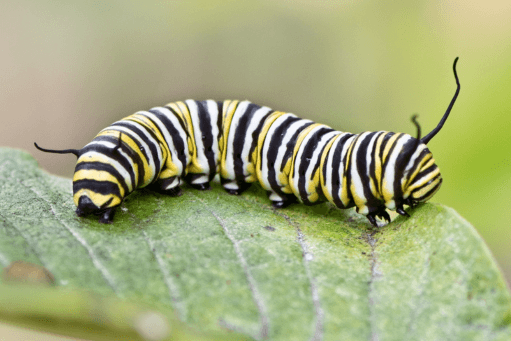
(389, 145)
(254, 167)
(284, 176)
(359, 202)
(148, 173)
(312, 188)
(169, 171)
(98, 175)
(299, 141)
(426, 160)
(345, 190)
(421, 192)
(221, 140)
(160, 139)
(176, 106)
(423, 181)
(388, 193)
(378, 163)
(229, 109)
(324, 186)
(194, 165)
(147, 123)
(97, 198)
(105, 159)
(260, 143)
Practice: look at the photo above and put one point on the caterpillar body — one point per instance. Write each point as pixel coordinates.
(291, 158)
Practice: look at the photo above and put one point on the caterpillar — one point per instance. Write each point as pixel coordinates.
(292, 159)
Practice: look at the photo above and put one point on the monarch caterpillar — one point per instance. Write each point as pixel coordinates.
(243, 142)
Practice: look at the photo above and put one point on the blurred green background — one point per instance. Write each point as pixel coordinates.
(70, 68)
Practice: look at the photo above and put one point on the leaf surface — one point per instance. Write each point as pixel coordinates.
(221, 262)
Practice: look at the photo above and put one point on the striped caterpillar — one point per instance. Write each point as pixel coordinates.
(291, 158)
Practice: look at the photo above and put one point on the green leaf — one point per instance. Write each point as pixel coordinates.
(219, 262)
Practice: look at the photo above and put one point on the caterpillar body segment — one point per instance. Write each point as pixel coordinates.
(292, 159)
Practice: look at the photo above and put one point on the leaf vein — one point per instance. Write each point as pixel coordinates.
(261, 307)
(375, 274)
(34, 251)
(171, 286)
(102, 269)
(319, 313)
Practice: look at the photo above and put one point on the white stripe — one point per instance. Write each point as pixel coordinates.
(330, 167)
(389, 173)
(143, 129)
(169, 139)
(197, 133)
(369, 158)
(282, 147)
(213, 116)
(201, 179)
(412, 160)
(298, 160)
(229, 153)
(144, 145)
(355, 176)
(254, 123)
(107, 159)
(175, 182)
(315, 156)
(342, 166)
(124, 173)
(369, 155)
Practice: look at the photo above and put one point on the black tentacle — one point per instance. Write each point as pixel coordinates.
(432, 134)
(64, 151)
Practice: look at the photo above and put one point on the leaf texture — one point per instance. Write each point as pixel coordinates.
(233, 262)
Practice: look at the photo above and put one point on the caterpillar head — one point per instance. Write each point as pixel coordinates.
(415, 177)
(96, 190)
(88, 198)
(421, 176)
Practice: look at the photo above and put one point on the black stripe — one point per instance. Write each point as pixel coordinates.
(372, 166)
(206, 128)
(290, 146)
(307, 154)
(177, 139)
(423, 154)
(126, 164)
(318, 163)
(99, 166)
(426, 171)
(131, 134)
(153, 144)
(240, 138)
(347, 166)
(220, 120)
(178, 116)
(362, 167)
(338, 160)
(274, 143)
(430, 191)
(391, 148)
(101, 187)
(401, 161)
(384, 164)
